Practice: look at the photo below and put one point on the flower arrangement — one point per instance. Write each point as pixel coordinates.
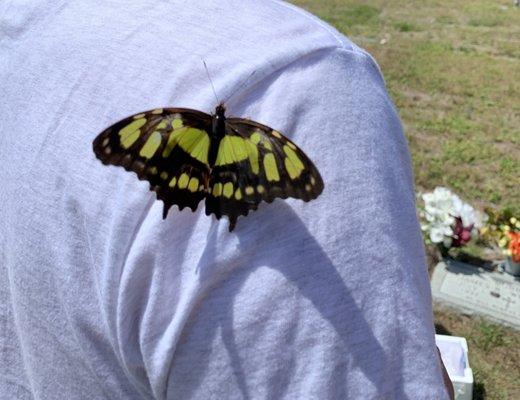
(507, 231)
(503, 231)
(447, 220)
(509, 241)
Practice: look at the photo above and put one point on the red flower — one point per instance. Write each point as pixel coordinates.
(461, 233)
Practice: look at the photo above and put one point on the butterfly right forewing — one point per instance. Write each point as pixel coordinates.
(256, 163)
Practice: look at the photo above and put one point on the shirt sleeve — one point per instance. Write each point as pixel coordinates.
(326, 299)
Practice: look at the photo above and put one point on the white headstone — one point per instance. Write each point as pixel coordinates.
(474, 290)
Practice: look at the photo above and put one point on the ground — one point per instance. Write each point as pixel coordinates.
(452, 68)
(494, 353)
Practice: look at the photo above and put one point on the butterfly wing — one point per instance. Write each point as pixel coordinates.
(255, 163)
(167, 147)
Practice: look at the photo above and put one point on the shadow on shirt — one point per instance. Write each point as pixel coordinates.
(279, 240)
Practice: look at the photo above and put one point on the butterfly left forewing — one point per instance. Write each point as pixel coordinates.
(256, 163)
(166, 147)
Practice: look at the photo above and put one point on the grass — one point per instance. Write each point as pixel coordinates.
(453, 69)
(494, 353)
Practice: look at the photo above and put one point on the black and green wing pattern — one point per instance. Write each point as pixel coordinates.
(166, 147)
(185, 158)
(256, 163)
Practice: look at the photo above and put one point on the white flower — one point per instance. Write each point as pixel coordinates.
(441, 210)
(469, 215)
(438, 207)
(439, 231)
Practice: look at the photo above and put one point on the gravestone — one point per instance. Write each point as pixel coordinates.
(475, 290)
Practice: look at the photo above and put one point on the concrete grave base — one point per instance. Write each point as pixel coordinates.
(474, 290)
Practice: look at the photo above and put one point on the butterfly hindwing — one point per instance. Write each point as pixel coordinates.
(167, 147)
(256, 163)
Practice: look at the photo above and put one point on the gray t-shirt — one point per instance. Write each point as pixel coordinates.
(102, 299)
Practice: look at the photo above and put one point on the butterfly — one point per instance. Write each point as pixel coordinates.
(187, 155)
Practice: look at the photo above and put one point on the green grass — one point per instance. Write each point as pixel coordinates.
(453, 69)
(494, 353)
(405, 26)
(491, 336)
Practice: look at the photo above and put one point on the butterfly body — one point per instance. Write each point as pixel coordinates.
(187, 156)
(218, 130)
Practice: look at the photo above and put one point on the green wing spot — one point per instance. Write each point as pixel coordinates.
(162, 125)
(151, 145)
(130, 133)
(293, 163)
(255, 138)
(291, 169)
(217, 189)
(291, 145)
(232, 149)
(177, 123)
(271, 170)
(193, 141)
(173, 140)
(252, 151)
(196, 143)
(183, 181)
(130, 139)
(228, 190)
(193, 186)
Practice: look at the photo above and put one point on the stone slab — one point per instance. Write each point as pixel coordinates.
(474, 290)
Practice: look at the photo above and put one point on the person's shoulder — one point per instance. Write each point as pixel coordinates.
(280, 31)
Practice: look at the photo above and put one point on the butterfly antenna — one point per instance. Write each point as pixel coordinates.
(240, 87)
(210, 81)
